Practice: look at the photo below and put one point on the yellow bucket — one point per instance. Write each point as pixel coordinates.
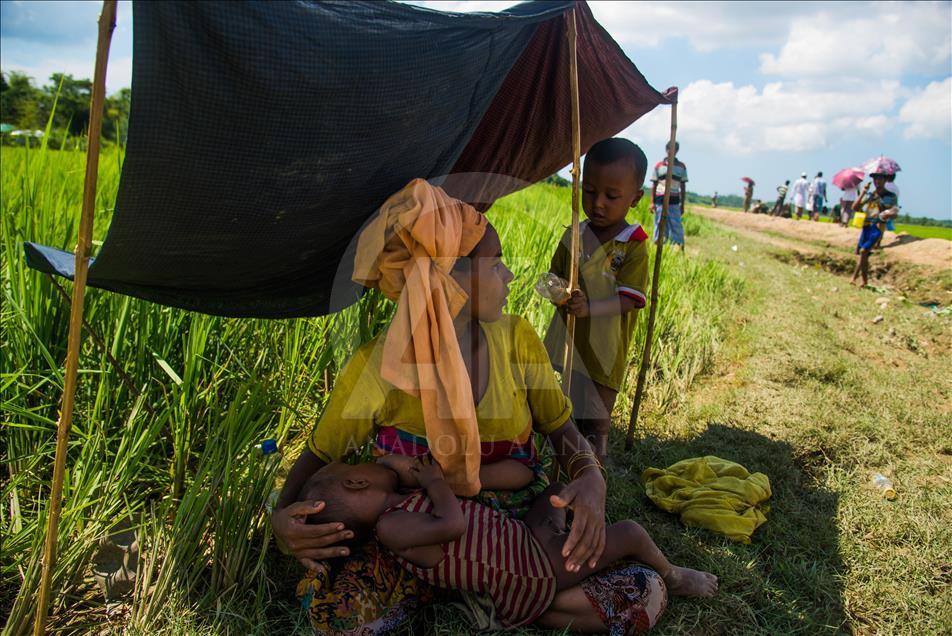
(858, 219)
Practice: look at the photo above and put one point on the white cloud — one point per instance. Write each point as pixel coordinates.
(881, 40)
(928, 113)
(707, 25)
(783, 116)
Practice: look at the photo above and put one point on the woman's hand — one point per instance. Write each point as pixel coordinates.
(401, 464)
(309, 544)
(585, 496)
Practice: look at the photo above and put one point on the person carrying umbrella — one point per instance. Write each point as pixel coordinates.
(800, 187)
(848, 180)
(748, 192)
(879, 207)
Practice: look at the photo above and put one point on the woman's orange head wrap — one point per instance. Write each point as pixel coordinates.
(408, 252)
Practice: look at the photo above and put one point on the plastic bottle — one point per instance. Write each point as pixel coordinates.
(553, 288)
(884, 485)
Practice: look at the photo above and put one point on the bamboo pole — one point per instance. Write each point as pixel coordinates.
(568, 356)
(107, 22)
(659, 251)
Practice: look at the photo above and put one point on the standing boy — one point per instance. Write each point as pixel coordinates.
(613, 273)
(673, 230)
(880, 206)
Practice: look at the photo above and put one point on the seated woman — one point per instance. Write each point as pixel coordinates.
(455, 377)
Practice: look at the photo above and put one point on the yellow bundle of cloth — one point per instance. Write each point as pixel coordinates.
(713, 493)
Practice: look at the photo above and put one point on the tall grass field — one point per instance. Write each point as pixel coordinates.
(166, 441)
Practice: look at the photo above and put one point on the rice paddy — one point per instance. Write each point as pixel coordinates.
(170, 405)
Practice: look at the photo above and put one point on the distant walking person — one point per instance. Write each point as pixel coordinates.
(781, 197)
(818, 193)
(846, 206)
(714, 200)
(748, 194)
(673, 230)
(800, 187)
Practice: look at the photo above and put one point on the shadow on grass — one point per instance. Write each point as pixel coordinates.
(788, 580)
(901, 239)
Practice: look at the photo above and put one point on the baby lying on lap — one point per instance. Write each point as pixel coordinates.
(464, 545)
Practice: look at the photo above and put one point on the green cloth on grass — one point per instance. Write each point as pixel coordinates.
(713, 493)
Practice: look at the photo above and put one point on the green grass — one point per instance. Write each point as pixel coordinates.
(775, 365)
(923, 231)
(173, 451)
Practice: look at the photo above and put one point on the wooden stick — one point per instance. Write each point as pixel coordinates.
(107, 22)
(576, 161)
(659, 251)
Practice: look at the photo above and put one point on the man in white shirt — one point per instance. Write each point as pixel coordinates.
(800, 187)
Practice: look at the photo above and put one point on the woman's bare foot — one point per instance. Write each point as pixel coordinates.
(688, 582)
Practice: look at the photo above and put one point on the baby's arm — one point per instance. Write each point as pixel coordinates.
(506, 474)
(402, 530)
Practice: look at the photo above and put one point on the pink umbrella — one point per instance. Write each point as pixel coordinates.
(848, 178)
(881, 165)
(747, 180)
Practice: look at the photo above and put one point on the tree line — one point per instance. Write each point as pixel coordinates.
(64, 104)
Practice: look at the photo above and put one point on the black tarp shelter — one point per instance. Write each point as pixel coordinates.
(263, 135)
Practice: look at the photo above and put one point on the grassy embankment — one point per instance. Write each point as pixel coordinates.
(920, 231)
(172, 447)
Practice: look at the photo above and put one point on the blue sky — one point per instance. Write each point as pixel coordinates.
(768, 89)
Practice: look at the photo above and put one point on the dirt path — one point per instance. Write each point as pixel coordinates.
(935, 254)
(818, 385)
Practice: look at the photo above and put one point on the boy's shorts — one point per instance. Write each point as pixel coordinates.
(673, 230)
(868, 237)
(590, 400)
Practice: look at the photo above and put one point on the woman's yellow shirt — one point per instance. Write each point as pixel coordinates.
(523, 395)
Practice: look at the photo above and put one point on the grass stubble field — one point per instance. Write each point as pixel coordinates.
(759, 359)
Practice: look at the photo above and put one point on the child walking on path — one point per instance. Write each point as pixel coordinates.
(613, 273)
(879, 207)
(463, 545)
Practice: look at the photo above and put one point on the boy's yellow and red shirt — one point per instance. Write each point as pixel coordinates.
(617, 267)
